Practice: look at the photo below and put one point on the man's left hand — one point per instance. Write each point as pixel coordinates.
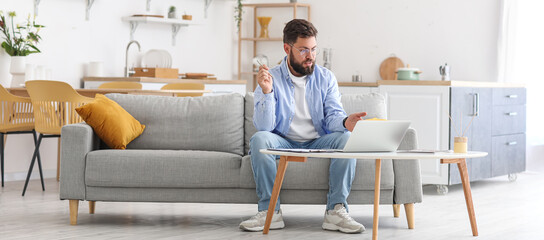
(353, 119)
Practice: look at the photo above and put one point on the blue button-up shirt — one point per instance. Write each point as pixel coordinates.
(274, 111)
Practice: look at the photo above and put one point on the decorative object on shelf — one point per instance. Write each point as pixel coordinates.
(445, 72)
(389, 67)
(172, 12)
(187, 17)
(264, 21)
(258, 60)
(460, 142)
(19, 42)
(408, 73)
(293, 1)
(238, 11)
(357, 77)
(327, 58)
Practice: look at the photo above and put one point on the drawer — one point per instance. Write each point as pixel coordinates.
(508, 154)
(509, 96)
(508, 119)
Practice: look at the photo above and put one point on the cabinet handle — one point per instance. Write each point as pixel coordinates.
(512, 96)
(511, 143)
(475, 104)
(512, 113)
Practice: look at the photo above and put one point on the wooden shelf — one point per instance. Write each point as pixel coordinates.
(255, 39)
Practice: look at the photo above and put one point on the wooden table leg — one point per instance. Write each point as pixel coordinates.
(462, 165)
(376, 198)
(275, 193)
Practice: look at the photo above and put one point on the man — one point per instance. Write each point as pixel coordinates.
(297, 105)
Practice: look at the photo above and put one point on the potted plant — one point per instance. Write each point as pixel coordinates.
(19, 42)
(172, 12)
(238, 11)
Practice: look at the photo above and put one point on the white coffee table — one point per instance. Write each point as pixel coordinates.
(445, 158)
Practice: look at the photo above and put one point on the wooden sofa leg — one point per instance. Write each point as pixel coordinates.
(74, 204)
(396, 210)
(409, 208)
(92, 204)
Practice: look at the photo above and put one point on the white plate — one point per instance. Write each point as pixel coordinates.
(167, 58)
(153, 58)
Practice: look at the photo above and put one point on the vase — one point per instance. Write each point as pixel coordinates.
(264, 21)
(17, 70)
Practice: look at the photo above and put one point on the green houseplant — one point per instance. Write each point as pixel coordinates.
(172, 12)
(238, 11)
(22, 39)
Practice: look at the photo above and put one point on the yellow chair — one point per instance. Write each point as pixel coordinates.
(54, 106)
(120, 85)
(17, 118)
(185, 86)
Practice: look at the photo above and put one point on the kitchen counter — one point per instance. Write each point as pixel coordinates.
(92, 92)
(161, 80)
(431, 83)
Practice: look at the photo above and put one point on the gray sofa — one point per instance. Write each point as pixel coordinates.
(195, 150)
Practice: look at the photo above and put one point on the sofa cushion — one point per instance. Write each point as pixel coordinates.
(115, 126)
(209, 123)
(249, 128)
(314, 175)
(162, 169)
(371, 103)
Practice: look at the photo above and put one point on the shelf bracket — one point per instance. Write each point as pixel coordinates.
(36, 3)
(133, 27)
(175, 30)
(148, 6)
(88, 9)
(207, 4)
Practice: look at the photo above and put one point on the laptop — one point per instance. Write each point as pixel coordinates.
(376, 136)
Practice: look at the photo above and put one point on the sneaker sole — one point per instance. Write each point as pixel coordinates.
(273, 226)
(333, 227)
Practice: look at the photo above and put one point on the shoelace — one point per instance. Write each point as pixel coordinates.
(344, 214)
(259, 215)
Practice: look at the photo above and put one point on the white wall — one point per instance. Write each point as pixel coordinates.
(362, 33)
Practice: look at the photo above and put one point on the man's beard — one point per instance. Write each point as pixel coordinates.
(298, 68)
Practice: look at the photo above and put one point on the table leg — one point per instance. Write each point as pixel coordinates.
(462, 165)
(376, 198)
(275, 193)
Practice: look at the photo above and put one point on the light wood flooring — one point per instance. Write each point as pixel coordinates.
(504, 210)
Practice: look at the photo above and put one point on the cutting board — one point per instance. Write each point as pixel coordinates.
(148, 15)
(389, 66)
(205, 76)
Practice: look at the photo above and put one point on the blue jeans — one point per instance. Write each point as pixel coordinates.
(341, 171)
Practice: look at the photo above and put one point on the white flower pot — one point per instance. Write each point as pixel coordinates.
(17, 70)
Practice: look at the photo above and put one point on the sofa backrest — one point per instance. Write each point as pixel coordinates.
(210, 123)
(372, 103)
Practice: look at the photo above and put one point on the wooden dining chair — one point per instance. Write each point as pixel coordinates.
(54, 106)
(185, 86)
(17, 118)
(120, 85)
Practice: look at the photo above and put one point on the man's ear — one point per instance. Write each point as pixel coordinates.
(286, 48)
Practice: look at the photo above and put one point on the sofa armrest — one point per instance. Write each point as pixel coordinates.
(408, 187)
(76, 141)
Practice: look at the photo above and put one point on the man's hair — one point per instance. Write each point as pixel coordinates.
(298, 28)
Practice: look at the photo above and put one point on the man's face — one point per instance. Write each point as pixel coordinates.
(302, 55)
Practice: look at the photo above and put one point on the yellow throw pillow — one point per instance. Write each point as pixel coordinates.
(113, 124)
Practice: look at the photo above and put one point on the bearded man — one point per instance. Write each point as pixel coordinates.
(297, 105)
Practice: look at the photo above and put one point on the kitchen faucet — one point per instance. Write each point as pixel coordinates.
(128, 72)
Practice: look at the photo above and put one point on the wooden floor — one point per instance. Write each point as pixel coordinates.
(504, 210)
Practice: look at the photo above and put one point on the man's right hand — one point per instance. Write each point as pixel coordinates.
(264, 78)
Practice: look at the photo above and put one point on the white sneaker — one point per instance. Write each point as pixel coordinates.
(256, 223)
(338, 219)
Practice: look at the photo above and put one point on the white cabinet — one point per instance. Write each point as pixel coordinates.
(427, 107)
